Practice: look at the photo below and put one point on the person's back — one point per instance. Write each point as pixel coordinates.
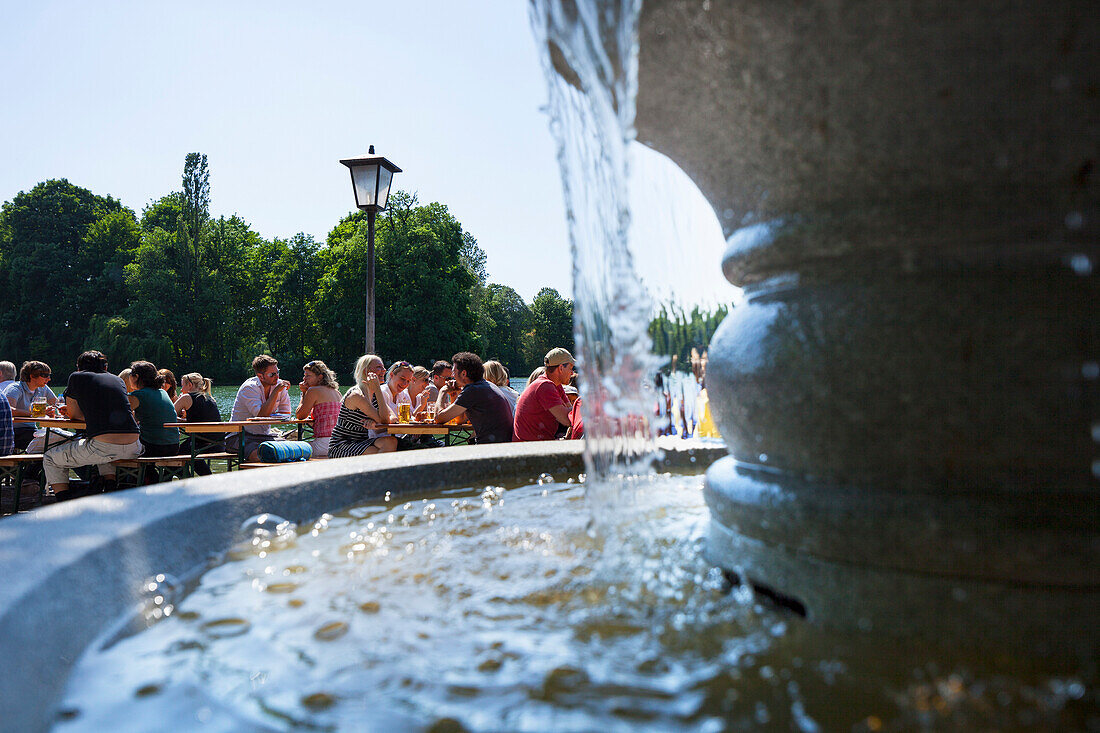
(203, 408)
(103, 403)
(111, 433)
(488, 410)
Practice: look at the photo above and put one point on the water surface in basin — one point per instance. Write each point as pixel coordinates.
(501, 609)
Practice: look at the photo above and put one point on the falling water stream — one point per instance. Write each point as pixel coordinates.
(498, 607)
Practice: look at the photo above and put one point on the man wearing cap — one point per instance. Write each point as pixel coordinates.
(543, 406)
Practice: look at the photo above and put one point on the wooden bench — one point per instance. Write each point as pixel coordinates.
(14, 468)
(137, 468)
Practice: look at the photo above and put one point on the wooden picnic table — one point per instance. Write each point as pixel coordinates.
(62, 423)
(432, 428)
(199, 429)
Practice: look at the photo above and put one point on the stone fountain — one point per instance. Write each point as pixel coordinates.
(910, 391)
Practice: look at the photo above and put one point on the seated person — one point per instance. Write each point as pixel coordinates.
(398, 378)
(264, 395)
(196, 404)
(7, 375)
(100, 400)
(479, 400)
(34, 376)
(153, 409)
(441, 372)
(321, 399)
(419, 392)
(7, 432)
(498, 375)
(363, 407)
(543, 406)
(168, 383)
(576, 419)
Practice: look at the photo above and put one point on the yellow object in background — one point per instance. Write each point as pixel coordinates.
(704, 424)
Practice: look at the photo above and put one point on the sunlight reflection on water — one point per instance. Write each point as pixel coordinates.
(495, 608)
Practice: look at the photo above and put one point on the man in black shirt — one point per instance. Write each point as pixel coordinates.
(99, 399)
(486, 406)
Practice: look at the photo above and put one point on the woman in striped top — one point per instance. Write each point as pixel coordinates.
(363, 408)
(321, 398)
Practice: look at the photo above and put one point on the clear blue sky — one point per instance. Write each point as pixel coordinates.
(113, 95)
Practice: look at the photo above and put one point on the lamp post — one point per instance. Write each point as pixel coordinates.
(371, 176)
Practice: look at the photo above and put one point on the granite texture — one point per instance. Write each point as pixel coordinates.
(909, 390)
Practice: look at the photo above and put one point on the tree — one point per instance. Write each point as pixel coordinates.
(423, 285)
(191, 228)
(503, 319)
(552, 326)
(55, 277)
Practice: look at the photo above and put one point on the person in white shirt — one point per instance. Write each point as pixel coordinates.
(264, 395)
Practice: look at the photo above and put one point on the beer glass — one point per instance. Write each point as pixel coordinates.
(38, 407)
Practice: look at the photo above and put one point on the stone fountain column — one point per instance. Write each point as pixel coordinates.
(910, 391)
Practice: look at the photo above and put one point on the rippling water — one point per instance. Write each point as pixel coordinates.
(497, 609)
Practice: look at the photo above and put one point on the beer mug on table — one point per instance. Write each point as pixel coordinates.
(404, 412)
(38, 407)
(431, 410)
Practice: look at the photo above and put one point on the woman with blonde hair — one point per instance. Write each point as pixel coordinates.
(495, 373)
(418, 391)
(362, 408)
(196, 404)
(321, 399)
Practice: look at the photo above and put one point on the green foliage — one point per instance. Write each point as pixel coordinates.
(552, 326)
(676, 333)
(503, 321)
(194, 293)
(58, 268)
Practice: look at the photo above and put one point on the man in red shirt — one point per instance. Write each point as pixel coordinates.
(543, 406)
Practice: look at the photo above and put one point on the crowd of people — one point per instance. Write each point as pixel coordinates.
(130, 415)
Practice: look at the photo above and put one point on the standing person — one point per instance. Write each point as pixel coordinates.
(7, 375)
(168, 383)
(543, 406)
(482, 401)
(441, 372)
(363, 408)
(34, 376)
(100, 400)
(321, 398)
(152, 408)
(263, 395)
(498, 375)
(197, 404)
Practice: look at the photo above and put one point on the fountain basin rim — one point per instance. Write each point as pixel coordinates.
(73, 569)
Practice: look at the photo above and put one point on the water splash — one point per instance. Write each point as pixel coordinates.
(589, 55)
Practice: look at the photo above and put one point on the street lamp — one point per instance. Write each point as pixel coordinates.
(371, 176)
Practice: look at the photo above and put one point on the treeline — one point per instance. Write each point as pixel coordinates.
(197, 293)
(675, 332)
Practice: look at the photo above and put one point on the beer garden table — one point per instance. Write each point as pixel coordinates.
(200, 429)
(455, 434)
(62, 423)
